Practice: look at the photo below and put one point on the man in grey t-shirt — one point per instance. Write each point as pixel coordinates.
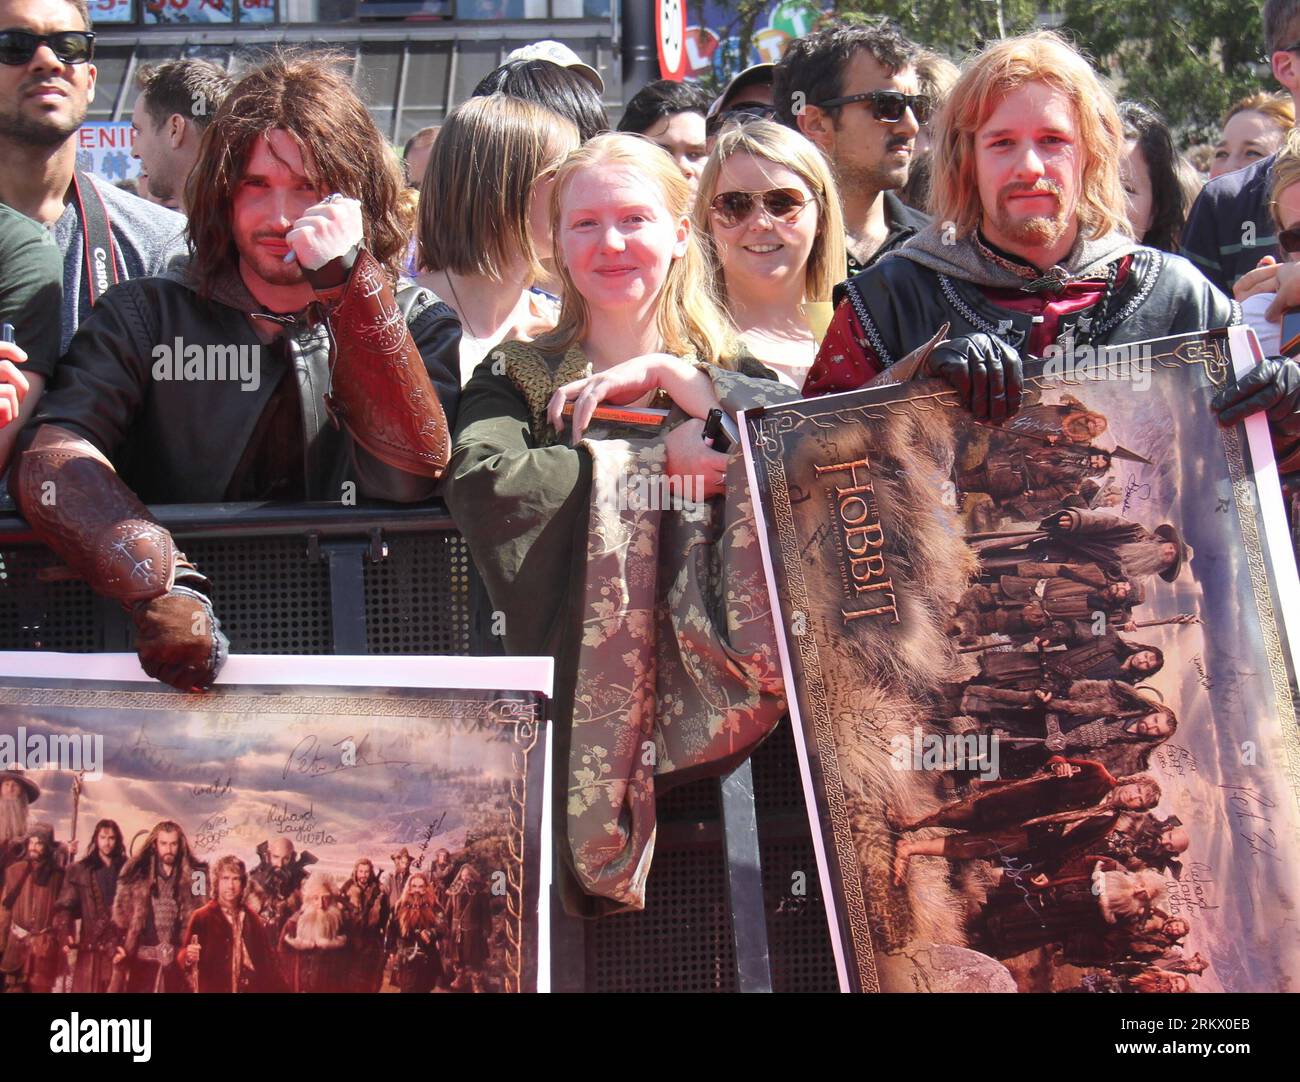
(146, 239)
(43, 102)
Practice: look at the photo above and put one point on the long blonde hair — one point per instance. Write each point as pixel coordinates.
(781, 146)
(1041, 57)
(687, 314)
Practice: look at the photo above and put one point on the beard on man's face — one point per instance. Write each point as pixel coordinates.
(162, 189)
(316, 923)
(856, 171)
(13, 817)
(871, 176)
(1040, 230)
(40, 130)
(268, 266)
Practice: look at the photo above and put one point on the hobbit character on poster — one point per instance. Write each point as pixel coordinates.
(1041, 681)
(294, 839)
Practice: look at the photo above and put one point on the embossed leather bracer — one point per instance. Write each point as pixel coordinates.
(76, 504)
(379, 387)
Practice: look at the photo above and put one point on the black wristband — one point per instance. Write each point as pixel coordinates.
(334, 273)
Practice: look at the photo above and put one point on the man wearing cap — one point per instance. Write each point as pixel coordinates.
(854, 91)
(562, 56)
(747, 96)
(30, 960)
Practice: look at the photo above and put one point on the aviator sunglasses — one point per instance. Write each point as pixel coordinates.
(888, 105)
(781, 205)
(1289, 240)
(70, 46)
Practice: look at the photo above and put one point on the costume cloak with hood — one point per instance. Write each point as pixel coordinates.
(1106, 291)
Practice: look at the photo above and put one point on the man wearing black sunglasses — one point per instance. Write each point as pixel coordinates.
(1030, 248)
(854, 91)
(106, 235)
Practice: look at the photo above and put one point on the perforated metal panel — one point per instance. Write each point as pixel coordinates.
(270, 597)
(418, 598)
(693, 802)
(680, 942)
(273, 596)
(798, 937)
(43, 616)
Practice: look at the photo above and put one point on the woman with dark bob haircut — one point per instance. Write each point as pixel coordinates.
(559, 89)
(1157, 203)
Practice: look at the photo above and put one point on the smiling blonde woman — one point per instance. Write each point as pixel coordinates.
(770, 222)
(628, 555)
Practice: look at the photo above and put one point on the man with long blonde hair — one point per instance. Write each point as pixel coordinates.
(1029, 246)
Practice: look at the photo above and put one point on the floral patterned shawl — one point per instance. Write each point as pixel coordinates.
(678, 671)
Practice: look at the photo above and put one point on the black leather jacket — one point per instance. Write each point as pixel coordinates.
(180, 440)
(901, 304)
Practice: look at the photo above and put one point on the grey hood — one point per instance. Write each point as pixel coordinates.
(963, 259)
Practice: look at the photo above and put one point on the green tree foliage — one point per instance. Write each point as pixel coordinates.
(1190, 60)
(954, 27)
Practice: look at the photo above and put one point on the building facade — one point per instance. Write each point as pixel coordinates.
(413, 59)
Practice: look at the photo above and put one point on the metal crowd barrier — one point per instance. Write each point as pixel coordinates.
(733, 897)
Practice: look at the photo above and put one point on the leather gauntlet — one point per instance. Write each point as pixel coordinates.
(1272, 386)
(985, 372)
(379, 387)
(77, 505)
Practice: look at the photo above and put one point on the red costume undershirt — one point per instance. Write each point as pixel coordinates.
(846, 360)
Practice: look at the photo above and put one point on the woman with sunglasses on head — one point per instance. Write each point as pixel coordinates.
(771, 223)
(601, 543)
(481, 243)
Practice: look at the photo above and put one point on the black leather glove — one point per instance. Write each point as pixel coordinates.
(984, 371)
(1273, 386)
(178, 638)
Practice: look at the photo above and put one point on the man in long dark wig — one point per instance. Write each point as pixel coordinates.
(221, 383)
(87, 896)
